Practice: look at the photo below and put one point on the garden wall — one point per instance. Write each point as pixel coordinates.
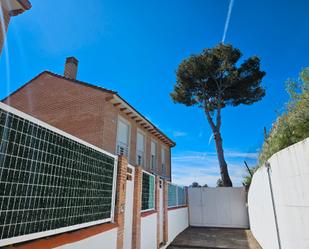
(178, 221)
(57, 191)
(108, 239)
(289, 173)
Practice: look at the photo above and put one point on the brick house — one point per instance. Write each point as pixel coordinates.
(96, 115)
(8, 9)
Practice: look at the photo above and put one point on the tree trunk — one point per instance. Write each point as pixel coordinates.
(223, 166)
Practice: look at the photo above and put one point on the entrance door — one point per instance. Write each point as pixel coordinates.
(161, 211)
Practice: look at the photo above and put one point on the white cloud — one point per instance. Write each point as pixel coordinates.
(179, 134)
(203, 168)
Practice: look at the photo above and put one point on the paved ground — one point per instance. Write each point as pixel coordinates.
(214, 238)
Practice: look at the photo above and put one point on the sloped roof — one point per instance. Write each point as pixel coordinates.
(117, 101)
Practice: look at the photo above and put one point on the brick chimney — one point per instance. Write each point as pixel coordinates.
(70, 70)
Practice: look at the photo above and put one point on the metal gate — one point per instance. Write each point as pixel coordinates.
(218, 207)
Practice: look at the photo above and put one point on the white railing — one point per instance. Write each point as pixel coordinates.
(122, 149)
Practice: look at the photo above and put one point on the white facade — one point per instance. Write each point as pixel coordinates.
(289, 171)
(102, 240)
(177, 222)
(149, 232)
(128, 220)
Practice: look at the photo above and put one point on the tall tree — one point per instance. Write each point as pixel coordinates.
(215, 79)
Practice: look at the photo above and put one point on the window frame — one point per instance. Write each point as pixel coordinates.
(163, 169)
(139, 131)
(155, 168)
(154, 193)
(125, 121)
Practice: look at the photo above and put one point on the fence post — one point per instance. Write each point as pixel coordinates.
(137, 206)
(157, 200)
(187, 203)
(267, 164)
(165, 212)
(121, 199)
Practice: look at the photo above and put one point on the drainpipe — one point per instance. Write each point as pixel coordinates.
(267, 164)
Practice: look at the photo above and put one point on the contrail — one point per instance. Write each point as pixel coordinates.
(227, 22)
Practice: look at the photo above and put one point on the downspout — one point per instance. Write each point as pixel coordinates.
(267, 164)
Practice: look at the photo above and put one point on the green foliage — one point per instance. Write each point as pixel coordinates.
(293, 125)
(195, 185)
(248, 178)
(213, 80)
(220, 183)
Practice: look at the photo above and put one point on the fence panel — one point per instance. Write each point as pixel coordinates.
(218, 207)
(176, 195)
(50, 181)
(148, 191)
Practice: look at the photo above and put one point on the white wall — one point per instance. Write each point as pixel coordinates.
(149, 232)
(128, 220)
(177, 222)
(262, 221)
(103, 240)
(218, 207)
(290, 180)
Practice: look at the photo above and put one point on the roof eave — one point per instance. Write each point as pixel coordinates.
(131, 112)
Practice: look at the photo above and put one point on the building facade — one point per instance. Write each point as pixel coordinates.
(96, 115)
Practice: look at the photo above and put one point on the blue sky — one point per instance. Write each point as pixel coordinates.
(135, 47)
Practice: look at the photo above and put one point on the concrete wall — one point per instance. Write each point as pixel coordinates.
(149, 232)
(218, 207)
(178, 221)
(103, 240)
(289, 175)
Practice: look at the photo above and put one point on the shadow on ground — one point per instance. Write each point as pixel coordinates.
(214, 238)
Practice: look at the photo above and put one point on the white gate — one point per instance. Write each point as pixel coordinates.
(218, 207)
(128, 220)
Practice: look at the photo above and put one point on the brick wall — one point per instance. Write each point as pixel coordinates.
(137, 206)
(165, 212)
(82, 111)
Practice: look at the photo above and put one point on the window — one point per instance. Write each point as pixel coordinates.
(163, 161)
(148, 191)
(153, 156)
(123, 138)
(140, 149)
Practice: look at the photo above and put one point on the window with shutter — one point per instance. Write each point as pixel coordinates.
(123, 138)
(140, 149)
(163, 162)
(153, 156)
